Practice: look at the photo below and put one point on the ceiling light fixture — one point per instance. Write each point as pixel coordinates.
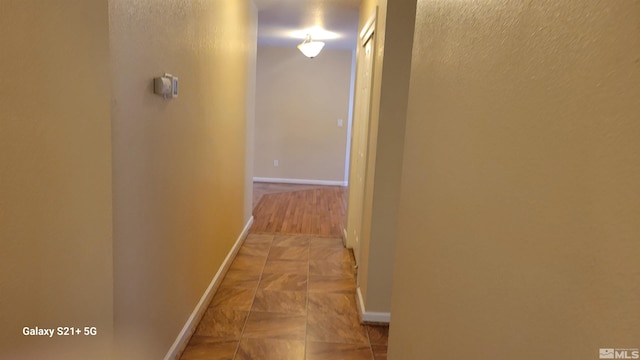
(310, 48)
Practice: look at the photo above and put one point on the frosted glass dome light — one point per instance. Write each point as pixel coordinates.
(310, 48)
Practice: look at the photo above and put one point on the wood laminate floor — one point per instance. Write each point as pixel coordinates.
(289, 296)
(319, 210)
(262, 188)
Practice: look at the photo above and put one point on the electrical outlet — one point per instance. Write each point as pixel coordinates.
(339, 122)
(276, 163)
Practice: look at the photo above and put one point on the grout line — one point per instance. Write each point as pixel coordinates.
(244, 326)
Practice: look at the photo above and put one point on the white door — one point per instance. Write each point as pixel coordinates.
(357, 176)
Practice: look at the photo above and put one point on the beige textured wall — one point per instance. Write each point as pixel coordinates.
(298, 104)
(179, 165)
(519, 217)
(386, 141)
(55, 177)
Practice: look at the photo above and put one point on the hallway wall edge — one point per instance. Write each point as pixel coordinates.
(189, 328)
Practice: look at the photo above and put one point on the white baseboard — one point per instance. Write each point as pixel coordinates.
(344, 237)
(300, 181)
(371, 317)
(190, 326)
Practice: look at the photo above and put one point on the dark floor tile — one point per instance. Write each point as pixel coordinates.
(332, 284)
(333, 351)
(275, 326)
(294, 302)
(291, 241)
(270, 349)
(335, 328)
(222, 324)
(286, 267)
(236, 298)
(206, 348)
(379, 352)
(289, 253)
(378, 335)
(284, 282)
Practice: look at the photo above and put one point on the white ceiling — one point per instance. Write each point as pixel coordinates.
(278, 19)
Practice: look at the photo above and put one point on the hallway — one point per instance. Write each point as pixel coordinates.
(289, 296)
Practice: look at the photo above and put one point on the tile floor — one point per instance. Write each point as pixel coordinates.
(287, 297)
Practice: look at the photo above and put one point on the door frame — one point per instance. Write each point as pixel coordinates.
(355, 206)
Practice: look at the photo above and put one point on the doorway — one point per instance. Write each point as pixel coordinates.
(360, 140)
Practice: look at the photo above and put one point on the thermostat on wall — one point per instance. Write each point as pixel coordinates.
(166, 86)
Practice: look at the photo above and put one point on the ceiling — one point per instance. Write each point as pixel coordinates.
(286, 22)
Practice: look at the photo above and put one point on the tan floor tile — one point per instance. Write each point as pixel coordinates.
(332, 254)
(258, 239)
(328, 284)
(284, 282)
(294, 302)
(222, 324)
(378, 335)
(335, 328)
(261, 250)
(333, 351)
(332, 304)
(331, 268)
(325, 242)
(291, 241)
(270, 349)
(275, 326)
(240, 279)
(206, 348)
(270, 275)
(286, 267)
(379, 352)
(233, 298)
(248, 264)
(289, 253)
